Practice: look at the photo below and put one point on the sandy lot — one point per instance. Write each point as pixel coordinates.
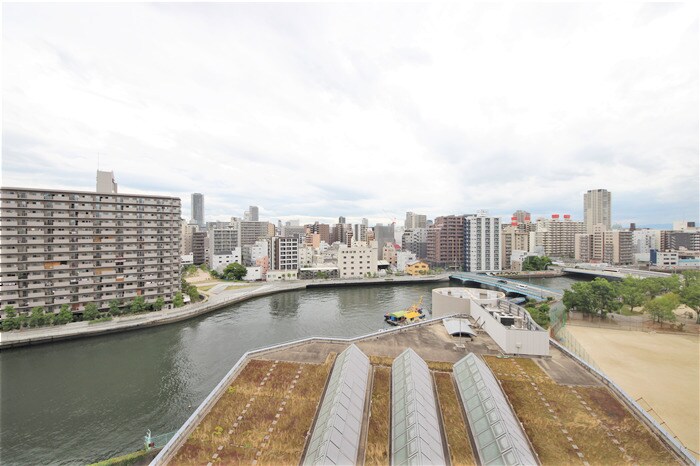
(664, 369)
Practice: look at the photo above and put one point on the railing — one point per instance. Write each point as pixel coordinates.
(671, 441)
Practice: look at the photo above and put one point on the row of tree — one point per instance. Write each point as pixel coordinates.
(39, 317)
(536, 263)
(658, 296)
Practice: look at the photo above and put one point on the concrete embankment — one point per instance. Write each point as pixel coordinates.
(35, 336)
(539, 274)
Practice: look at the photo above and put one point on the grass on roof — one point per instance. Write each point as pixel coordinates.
(453, 421)
(377, 448)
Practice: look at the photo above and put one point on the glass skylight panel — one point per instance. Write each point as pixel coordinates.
(497, 432)
(336, 435)
(415, 427)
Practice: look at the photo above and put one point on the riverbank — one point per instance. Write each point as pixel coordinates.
(42, 335)
(536, 274)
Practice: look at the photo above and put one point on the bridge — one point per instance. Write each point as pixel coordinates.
(614, 273)
(539, 293)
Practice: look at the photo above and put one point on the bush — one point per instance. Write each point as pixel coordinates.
(90, 312)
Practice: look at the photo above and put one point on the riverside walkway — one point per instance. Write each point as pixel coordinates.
(221, 297)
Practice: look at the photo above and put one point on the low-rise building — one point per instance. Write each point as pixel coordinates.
(417, 268)
(281, 275)
(358, 260)
(219, 261)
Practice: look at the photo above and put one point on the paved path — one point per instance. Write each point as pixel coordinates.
(219, 296)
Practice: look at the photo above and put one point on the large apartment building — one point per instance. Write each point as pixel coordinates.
(284, 253)
(611, 247)
(445, 245)
(358, 260)
(555, 237)
(482, 243)
(597, 209)
(76, 247)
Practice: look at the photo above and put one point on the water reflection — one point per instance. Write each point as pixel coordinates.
(285, 304)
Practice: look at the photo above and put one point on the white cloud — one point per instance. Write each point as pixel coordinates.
(320, 110)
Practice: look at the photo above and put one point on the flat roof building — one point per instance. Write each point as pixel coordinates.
(76, 247)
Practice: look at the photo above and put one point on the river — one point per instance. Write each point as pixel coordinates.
(86, 400)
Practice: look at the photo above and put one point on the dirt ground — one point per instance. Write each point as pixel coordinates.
(200, 276)
(663, 369)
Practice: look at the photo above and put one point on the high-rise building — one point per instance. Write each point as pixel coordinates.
(199, 247)
(383, 234)
(186, 231)
(415, 221)
(342, 220)
(554, 237)
(254, 231)
(607, 246)
(77, 247)
(284, 253)
(416, 241)
(482, 243)
(323, 230)
(521, 216)
(106, 183)
(597, 207)
(198, 209)
(445, 244)
(254, 213)
(512, 239)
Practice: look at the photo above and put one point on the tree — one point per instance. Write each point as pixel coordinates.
(138, 304)
(605, 299)
(661, 308)
(234, 271)
(178, 301)
(10, 321)
(158, 305)
(535, 263)
(114, 307)
(690, 296)
(631, 292)
(90, 312)
(64, 315)
(36, 318)
(214, 274)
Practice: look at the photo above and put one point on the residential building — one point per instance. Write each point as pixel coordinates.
(445, 242)
(306, 256)
(187, 229)
(358, 260)
(416, 241)
(521, 216)
(199, 247)
(219, 261)
(106, 184)
(556, 238)
(77, 247)
(282, 275)
(610, 247)
(403, 258)
(482, 243)
(417, 267)
(197, 207)
(597, 209)
(415, 221)
(389, 253)
(512, 239)
(359, 232)
(284, 253)
(254, 274)
(254, 231)
(323, 230)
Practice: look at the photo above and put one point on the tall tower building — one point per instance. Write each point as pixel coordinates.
(198, 209)
(253, 213)
(597, 209)
(415, 221)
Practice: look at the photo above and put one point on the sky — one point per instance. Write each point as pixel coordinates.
(313, 111)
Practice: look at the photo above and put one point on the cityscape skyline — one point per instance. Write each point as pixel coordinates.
(312, 119)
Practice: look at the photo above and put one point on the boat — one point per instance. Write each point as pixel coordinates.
(408, 316)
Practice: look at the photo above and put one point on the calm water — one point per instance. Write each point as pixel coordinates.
(86, 400)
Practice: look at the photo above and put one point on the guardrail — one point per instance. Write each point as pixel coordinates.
(171, 448)
(673, 443)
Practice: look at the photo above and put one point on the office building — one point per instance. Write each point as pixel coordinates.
(416, 241)
(77, 247)
(597, 208)
(482, 243)
(512, 239)
(198, 209)
(254, 231)
(254, 213)
(358, 260)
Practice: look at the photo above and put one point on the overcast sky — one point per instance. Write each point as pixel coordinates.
(313, 111)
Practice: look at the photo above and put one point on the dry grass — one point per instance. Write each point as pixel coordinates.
(453, 421)
(588, 432)
(432, 365)
(285, 443)
(377, 449)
